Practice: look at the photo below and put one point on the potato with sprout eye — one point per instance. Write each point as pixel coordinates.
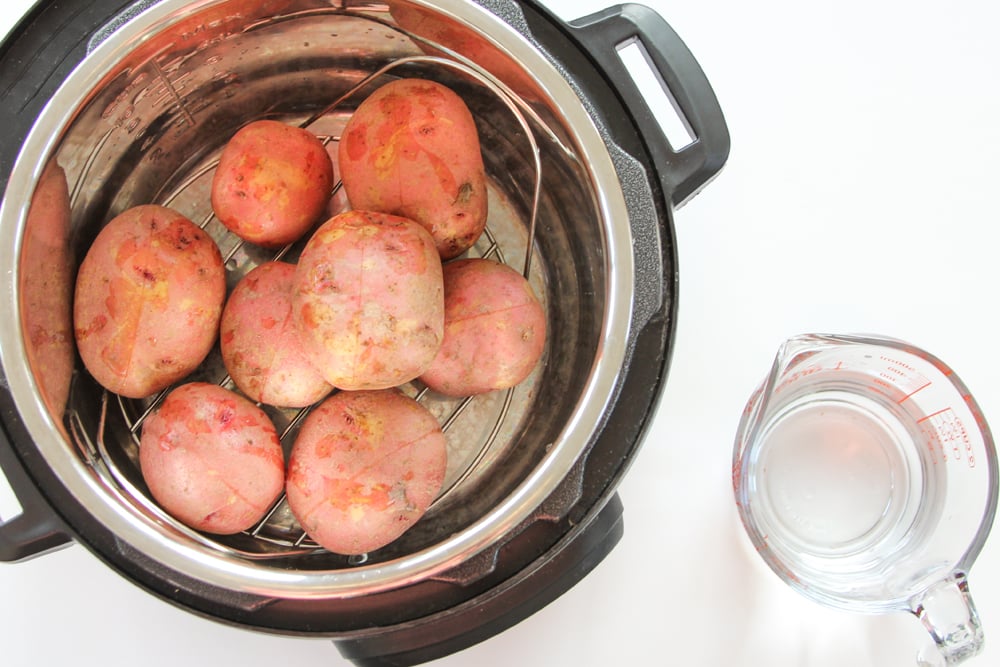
(412, 149)
(364, 468)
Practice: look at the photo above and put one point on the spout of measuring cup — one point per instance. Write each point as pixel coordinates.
(792, 352)
(948, 613)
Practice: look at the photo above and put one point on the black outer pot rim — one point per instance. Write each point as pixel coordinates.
(607, 463)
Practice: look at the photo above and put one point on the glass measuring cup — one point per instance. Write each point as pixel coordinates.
(866, 478)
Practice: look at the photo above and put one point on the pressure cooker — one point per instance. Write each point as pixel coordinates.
(131, 103)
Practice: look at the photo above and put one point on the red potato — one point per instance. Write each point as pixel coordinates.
(368, 301)
(494, 331)
(46, 285)
(211, 458)
(148, 299)
(412, 149)
(272, 183)
(260, 344)
(364, 468)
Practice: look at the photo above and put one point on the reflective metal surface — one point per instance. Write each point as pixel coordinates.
(143, 119)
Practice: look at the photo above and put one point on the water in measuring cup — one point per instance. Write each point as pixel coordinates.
(842, 485)
(866, 477)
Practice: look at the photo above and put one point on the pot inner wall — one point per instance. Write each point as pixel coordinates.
(150, 129)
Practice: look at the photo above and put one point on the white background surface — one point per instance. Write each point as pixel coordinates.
(861, 195)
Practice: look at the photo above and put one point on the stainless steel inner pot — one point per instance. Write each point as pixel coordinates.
(142, 119)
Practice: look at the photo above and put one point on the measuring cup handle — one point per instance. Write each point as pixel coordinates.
(948, 613)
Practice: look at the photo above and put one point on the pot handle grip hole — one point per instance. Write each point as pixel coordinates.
(28, 528)
(666, 90)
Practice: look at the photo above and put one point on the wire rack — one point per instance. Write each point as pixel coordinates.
(278, 535)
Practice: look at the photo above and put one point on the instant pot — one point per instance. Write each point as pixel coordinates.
(109, 104)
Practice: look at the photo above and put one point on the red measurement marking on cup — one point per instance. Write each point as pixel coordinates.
(933, 415)
(900, 376)
(898, 363)
(947, 437)
(921, 387)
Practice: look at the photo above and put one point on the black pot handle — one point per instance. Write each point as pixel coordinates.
(689, 168)
(37, 530)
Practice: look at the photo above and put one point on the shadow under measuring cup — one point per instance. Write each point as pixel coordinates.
(866, 477)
